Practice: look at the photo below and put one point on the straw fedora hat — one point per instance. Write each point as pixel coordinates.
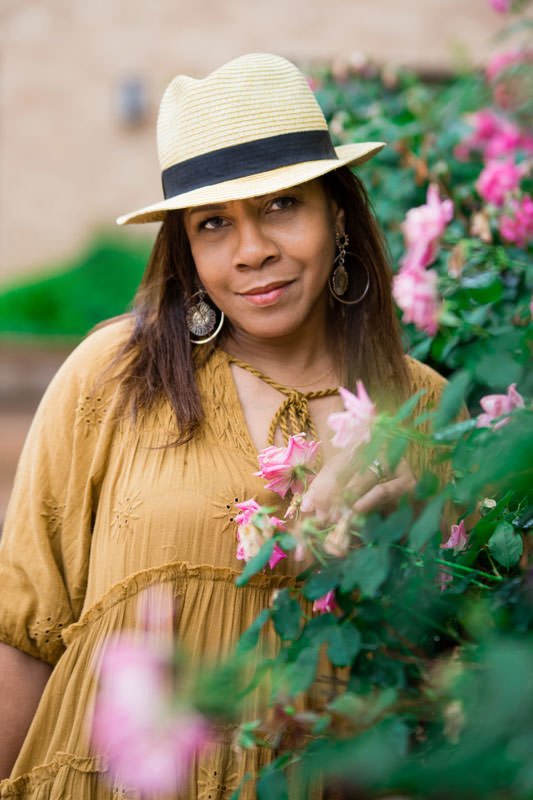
(250, 128)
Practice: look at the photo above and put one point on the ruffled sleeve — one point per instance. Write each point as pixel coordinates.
(44, 550)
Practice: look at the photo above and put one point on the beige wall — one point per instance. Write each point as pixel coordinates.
(68, 167)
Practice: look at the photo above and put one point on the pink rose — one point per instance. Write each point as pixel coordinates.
(423, 227)
(443, 579)
(494, 405)
(288, 468)
(325, 604)
(248, 509)
(497, 179)
(493, 136)
(254, 527)
(510, 87)
(507, 141)
(458, 538)
(415, 292)
(500, 62)
(353, 426)
(149, 742)
(518, 228)
(501, 6)
(277, 555)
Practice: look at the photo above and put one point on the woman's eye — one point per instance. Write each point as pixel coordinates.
(283, 203)
(211, 224)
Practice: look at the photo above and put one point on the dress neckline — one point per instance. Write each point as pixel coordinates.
(293, 415)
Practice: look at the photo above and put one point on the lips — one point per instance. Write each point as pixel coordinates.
(269, 287)
(266, 295)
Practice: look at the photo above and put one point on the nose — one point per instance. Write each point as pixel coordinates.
(254, 246)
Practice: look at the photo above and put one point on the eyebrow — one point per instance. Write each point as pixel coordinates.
(205, 209)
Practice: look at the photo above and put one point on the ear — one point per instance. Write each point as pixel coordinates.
(340, 225)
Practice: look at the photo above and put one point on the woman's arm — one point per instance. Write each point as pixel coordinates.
(22, 680)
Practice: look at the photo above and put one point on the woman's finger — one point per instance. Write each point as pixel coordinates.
(386, 494)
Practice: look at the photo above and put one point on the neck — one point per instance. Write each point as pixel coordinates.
(295, 360)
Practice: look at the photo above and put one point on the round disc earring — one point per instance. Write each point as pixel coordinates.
(201, 319)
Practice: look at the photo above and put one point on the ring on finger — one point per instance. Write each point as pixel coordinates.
(377, 468)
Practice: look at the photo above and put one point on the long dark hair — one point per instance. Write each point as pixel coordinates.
(158, 361)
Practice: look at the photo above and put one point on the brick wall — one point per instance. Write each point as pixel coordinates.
(68, 166)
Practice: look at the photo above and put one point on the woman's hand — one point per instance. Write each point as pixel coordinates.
(340, 483)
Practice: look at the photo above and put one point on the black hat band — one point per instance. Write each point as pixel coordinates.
(249, 158)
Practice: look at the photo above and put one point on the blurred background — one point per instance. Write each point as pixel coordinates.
(80, 85)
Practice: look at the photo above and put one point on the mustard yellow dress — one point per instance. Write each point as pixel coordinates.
(100, 511)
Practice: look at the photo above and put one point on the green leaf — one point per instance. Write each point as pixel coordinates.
(256, 563)
(272, 785)
(250, 637)
(452, 399)
(301, 673)
(318, 628)
(366, 568)
(396, 448)
(344, 642)
(364, 709)
(407, 408)
(452, 432)
(505, 545)
(497, 370)
(395, 525)
(286, 541)
(485, 287)
(426, 486)
(428, 523)
(286, 615)
(320, 583)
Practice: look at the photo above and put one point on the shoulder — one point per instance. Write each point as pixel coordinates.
(426, 378)
(98, 350)
(86, 366)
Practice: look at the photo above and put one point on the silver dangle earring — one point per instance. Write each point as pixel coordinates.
(339, 281)
(201, 319)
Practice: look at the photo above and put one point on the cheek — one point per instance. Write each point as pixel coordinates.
(208, 267)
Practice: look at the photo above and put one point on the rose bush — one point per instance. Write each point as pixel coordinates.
(432, 622)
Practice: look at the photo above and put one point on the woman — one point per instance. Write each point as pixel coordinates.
(270, 262)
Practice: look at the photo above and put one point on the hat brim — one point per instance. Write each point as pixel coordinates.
(255, 185)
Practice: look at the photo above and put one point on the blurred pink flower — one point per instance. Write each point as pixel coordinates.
(444, 578)
(501, 6)
(415, 292)
(325, 604)
(150, 744)
(248, 509)
(494, 405)
(252, 534)
(511, 88)
(505, 59)
(353, 425)
(497, 179)
(287, 468)
(518, 227)
(493, 136)
(458, 538)
(507, 141)
(423, 227)
(277, 555)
